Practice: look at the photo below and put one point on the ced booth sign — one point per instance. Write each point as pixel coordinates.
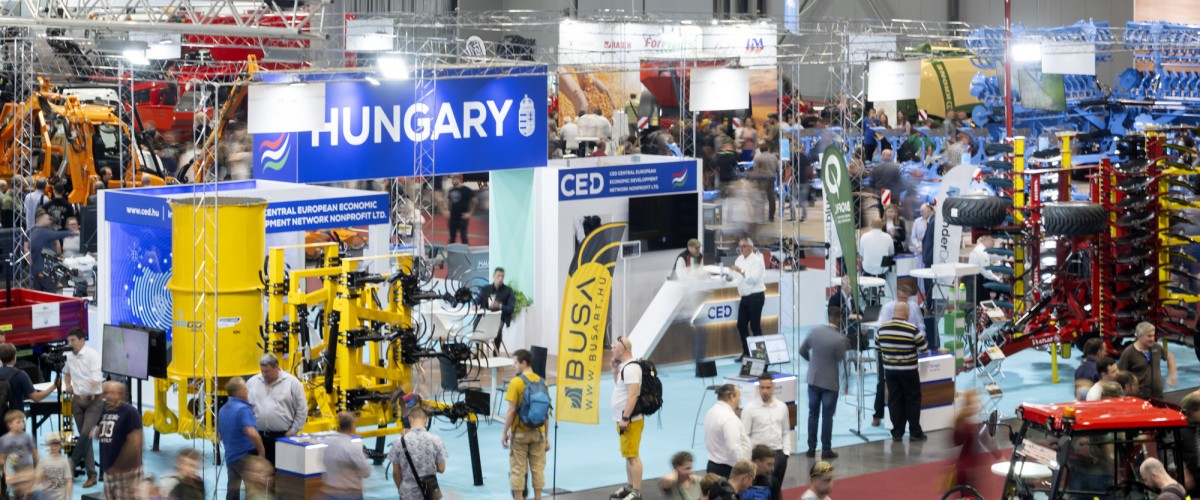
(468, 123)
(638, 179)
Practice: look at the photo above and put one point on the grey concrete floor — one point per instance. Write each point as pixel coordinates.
(855, 460)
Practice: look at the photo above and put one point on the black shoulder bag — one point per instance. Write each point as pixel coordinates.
(427, 484)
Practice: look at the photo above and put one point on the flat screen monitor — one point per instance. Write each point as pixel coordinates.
(773, 348)
(664, 222)
(126, 352)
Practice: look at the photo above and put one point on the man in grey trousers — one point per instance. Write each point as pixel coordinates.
(824, 349)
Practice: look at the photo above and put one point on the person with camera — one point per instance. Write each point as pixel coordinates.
(44, 240)
(420, 451)
(84, 383)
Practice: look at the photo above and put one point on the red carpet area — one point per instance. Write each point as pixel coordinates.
(917, 482)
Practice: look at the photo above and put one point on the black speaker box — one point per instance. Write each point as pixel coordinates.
(159, 355)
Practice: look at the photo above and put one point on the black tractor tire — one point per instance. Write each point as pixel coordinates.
(1074, 218)
(975, 210)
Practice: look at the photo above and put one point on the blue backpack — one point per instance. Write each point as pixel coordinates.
(535, 403)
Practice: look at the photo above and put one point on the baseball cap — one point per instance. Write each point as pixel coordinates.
(821, 468)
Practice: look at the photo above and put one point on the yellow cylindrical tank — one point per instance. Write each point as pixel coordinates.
(218, 246)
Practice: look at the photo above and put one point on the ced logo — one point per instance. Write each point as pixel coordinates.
(573, 185)
(720, 312)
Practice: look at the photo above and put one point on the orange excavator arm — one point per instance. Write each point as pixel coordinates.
(206, 158)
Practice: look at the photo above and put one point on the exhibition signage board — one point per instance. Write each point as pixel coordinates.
(639, 179)
(948, 242)
(840, 199)
(282, 216)
(138, 225)
(583, 323)
(467, 123)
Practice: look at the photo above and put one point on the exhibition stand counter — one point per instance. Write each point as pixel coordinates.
(689, 315)
(937, 392)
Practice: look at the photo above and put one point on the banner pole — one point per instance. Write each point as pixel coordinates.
(554, 467)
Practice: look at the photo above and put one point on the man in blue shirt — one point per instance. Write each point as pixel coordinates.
(238, 431)
(1092, 350)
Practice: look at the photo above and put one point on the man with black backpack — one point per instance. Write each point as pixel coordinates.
(627, 373)
(528, 412)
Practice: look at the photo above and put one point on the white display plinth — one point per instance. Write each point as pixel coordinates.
(301, 455)
(935, 371)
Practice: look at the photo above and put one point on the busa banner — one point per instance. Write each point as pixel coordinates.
(584, 321)
(836, 179)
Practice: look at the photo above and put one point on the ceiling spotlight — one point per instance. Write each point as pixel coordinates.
(392, 68)
(135, 57)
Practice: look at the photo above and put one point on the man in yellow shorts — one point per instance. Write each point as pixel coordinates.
(628, 376)
(529, 444)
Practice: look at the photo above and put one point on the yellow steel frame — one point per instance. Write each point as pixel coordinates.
(375, 366)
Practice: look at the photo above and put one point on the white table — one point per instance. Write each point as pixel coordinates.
(863, 282)
(1024, 470)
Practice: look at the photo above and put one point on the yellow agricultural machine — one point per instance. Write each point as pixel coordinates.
(357, 358)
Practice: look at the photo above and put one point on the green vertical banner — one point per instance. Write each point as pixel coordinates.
(836, 180)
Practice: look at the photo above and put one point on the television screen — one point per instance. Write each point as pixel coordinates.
(126, 352)
(664, 222)
(772, 348)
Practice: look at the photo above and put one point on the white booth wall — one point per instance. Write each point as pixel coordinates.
(635, 281)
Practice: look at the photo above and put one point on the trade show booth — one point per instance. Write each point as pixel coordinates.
(135, 236)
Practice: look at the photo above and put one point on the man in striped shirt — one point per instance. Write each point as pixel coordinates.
(899, 342)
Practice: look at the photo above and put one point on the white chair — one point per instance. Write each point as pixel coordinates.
(487, 328)
(446, 325)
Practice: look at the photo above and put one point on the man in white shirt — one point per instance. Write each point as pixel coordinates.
(570, 136)
(767, 422)
(980, 257)
(1107, 368)
(919, 227)
(821, 475)
(83, 381)
(724, 436)
(748, 272)
(280, 407)
(628, 378)
(873, 246)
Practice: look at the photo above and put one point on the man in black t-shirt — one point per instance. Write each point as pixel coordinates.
(120, 436)
(462, 205)
(59, 208)
(727, 163)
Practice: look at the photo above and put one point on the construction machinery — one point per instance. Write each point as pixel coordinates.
(198, 169)
(73, 141)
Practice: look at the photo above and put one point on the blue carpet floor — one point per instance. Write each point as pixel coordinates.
(587, 455)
